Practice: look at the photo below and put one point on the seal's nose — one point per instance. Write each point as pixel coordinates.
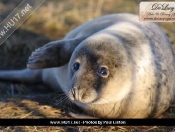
(82, 95)
(75, 94)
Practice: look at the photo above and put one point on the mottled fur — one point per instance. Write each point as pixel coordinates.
(138, 56)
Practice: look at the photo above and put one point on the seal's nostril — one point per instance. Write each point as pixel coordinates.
(73, 92)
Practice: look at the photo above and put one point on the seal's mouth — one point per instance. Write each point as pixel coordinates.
(95, 101)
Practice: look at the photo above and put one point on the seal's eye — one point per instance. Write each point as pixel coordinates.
(76, 66)
(103, 71)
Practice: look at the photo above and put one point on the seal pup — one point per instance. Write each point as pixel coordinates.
(112, 67)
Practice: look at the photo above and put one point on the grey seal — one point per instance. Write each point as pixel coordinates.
(112, 67)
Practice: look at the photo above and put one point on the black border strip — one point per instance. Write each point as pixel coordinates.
(87, 122)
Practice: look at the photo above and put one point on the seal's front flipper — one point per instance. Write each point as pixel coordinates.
(54, 54)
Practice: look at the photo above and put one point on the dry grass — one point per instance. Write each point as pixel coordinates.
(53, 20)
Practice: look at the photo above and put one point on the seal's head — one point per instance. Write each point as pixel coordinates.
(99, 71)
